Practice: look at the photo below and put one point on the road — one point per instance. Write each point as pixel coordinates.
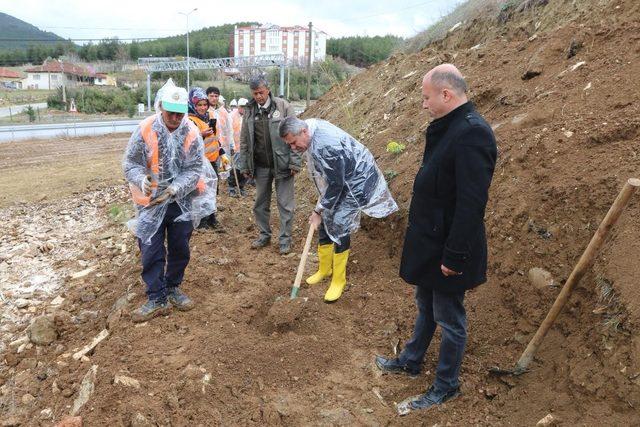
(17, 109)
(21, 132)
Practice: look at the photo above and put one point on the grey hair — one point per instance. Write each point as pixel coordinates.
(258, 81)
(292, 125)
(450, 80)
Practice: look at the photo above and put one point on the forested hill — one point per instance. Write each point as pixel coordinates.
(210, 42)
(363, 51)
(17, 34)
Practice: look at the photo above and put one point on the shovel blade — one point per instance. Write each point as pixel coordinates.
(294, 292)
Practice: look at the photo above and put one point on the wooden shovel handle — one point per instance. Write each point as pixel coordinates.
(584, 264)
(235, 174)
(303, 261)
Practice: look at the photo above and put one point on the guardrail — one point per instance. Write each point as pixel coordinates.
(21, 132)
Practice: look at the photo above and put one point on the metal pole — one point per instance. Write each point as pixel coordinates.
(281, 80)
(288, 81)
(188, 53)
(64, 92)
(188, 61)
(148, 91)
(309, 65)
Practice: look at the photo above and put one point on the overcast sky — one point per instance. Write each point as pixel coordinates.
(126, 19)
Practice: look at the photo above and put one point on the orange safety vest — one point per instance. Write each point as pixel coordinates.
(150, 138)
(211, 144)
(236, 122)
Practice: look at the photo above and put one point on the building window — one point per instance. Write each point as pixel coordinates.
(54, 77)
(36, 77)
(274, 41)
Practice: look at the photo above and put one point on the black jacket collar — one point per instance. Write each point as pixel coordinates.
(443, 123)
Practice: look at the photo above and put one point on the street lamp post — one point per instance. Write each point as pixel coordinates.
(187, 16)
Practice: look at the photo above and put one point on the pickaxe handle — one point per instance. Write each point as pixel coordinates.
(584, 264)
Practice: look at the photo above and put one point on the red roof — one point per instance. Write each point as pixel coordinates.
(277, 27)
(4, 72)
(54, 66)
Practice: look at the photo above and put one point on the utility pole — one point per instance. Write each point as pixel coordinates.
(64, 90)
(187, 15)
(288, 80)
(309, 64)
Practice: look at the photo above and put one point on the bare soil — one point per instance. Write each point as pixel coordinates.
(568, 139)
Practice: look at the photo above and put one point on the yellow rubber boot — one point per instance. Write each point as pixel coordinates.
(325, 259)
(339, 279)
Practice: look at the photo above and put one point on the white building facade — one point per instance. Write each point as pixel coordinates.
(293, 42)
(53, 74)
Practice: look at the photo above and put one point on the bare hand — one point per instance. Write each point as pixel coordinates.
(293, 172)
(163, 197)
(448, 272)
(247, 175)
(315, 219)
(207, 132)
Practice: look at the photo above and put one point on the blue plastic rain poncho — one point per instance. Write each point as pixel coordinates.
(182, 167)
(347, 178)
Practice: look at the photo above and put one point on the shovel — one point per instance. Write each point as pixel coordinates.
(584, 264)
(303, 262)
(235, 174)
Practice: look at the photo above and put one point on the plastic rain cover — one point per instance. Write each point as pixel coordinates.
(187, 171)
(347, 178)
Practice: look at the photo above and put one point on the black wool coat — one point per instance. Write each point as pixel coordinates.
(450, 192)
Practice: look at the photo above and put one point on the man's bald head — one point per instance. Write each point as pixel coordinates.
(447, 76)
(443, 90)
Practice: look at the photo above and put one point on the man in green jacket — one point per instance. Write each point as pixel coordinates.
(266, 157)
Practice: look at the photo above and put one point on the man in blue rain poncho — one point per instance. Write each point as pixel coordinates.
(348, 181)
(173, 187)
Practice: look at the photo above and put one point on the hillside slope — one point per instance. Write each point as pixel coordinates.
(568, 133)
(15, 34)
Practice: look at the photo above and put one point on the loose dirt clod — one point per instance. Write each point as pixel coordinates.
(285, 312)
(42, 331)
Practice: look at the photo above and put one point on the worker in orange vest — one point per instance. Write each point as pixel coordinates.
(236, 125)
(224, 131)
(173, 188)
(200, 115)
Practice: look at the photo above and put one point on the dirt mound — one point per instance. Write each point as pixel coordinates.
(568, 138)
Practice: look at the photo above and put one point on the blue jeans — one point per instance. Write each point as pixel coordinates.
(162, 267)
(447, 310)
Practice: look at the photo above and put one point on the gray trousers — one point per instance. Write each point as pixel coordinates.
(262, 207)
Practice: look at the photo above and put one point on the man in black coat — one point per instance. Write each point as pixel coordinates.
(445, 248)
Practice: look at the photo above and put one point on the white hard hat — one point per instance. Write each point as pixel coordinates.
(242, 102)
(233, 103)
(174, 99)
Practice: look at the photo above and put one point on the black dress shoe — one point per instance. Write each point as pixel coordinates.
(394, 366)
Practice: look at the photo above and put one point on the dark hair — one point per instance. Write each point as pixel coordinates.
(213, 89)
(258, 81)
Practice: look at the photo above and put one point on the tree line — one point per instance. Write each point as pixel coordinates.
(363, 51)
(211, 42)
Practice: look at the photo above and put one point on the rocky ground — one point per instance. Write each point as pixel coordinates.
(557, 83)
